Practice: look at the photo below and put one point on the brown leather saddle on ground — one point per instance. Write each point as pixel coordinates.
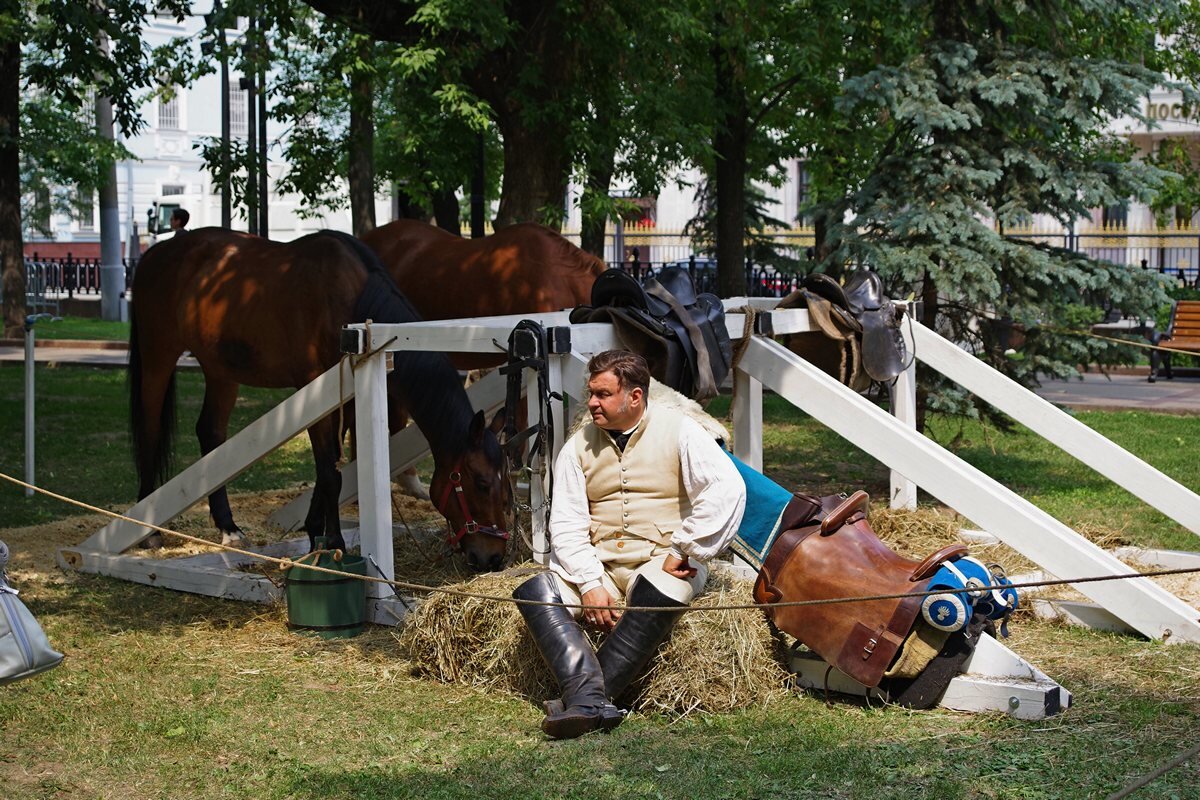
(829, 550)
(858, 338)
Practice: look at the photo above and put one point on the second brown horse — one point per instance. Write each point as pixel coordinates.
(262, 313)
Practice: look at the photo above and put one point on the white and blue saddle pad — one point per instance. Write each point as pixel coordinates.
(765, 502)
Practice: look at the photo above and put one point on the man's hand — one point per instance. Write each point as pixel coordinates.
(679, 567)
(604, 616)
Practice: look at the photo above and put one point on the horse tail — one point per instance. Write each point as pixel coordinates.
(151, 454)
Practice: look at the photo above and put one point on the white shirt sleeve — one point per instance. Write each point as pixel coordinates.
(717, 493)
(572, 555)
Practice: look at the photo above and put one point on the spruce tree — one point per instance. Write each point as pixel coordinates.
(998, 115)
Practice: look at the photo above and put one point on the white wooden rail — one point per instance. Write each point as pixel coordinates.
(1027, 529)
(279, 425)
(1056, 426)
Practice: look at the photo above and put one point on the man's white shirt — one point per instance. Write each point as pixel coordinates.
(712, 482)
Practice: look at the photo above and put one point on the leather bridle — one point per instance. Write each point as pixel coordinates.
(455, 537)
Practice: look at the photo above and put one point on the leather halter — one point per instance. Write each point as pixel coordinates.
(454, 538)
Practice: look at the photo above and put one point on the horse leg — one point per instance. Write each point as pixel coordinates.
(323, 513)
(211, 429)
(407, 480)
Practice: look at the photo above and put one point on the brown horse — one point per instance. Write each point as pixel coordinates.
(261, 313)
(521, 269)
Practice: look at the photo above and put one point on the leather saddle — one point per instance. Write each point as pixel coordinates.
(829, 550)
(680, 332)
(859, 328)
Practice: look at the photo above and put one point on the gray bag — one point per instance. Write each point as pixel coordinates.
(24, 649)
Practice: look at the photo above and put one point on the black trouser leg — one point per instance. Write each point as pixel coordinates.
(565, 647)
(628, 649)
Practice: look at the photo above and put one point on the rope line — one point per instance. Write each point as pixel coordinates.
(288, 563)
(1130, 342)
(1149, 776)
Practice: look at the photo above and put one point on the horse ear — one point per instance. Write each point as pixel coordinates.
(497, 426)
(475, 435)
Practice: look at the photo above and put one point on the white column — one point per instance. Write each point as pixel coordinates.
(374, 482)
(904, 408)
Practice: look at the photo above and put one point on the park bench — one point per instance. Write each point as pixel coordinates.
(1182, 333)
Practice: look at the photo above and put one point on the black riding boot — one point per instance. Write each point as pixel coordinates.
(584, 706)
(631, 645)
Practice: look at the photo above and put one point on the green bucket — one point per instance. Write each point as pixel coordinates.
(327, 605)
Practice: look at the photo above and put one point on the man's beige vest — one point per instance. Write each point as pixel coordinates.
(636, 499)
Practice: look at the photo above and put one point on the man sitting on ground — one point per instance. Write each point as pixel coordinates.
(643, 497)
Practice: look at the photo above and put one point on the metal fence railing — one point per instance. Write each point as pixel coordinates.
(1168, 251)
(49, 281)
(761, 281)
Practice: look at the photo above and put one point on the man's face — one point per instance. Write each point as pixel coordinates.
(612, 407)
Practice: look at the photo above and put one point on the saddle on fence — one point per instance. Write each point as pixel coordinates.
(681, 333)
(859, 339)
(829, 550)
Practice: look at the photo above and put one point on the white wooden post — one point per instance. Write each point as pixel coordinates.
(374, 473)
(904, 408)
(747, 419)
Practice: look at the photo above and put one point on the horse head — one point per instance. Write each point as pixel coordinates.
(473, 496)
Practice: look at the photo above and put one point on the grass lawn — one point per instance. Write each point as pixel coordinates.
(82, 328)
(166, 695)
(83, 447)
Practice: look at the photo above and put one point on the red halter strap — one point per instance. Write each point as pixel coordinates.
(454, 539)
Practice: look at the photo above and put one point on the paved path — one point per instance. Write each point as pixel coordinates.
(1093, 391)
(52, 352)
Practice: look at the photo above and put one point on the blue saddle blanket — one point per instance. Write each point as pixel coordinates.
(765, 502)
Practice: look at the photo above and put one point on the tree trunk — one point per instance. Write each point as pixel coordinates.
(112, 271)
(362, 146)
(599, 178)
(12, 262)
(446, 212)
(535, 172)
(929, 312)
(729, 147)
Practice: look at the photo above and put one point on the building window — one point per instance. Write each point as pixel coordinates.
(237, 112)
(1116, 216)
(85, 210)
(171, 189)
(168, 111)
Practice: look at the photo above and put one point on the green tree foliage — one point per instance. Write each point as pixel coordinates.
(998, 115)
(54, 55)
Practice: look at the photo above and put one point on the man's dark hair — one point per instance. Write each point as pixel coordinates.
(182, 215)
(630, 368)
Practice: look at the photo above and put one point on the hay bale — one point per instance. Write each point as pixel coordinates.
(714, 661)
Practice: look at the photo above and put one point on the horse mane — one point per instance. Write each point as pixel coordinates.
(440, 408)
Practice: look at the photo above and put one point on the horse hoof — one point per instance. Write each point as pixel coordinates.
(411, 485)
(152, 542)
(234, 539)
